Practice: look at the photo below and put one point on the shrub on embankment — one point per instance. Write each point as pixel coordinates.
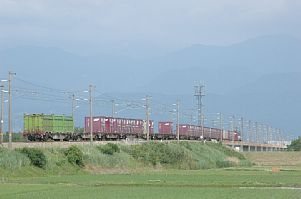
(36, 157)
(183, 155)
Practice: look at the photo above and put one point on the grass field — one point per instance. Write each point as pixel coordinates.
(275, 158)
(217, 183)
(154, 170)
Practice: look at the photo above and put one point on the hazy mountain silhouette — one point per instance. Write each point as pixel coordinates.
(258, 78)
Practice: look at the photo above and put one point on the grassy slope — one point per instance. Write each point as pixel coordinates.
(131, 157)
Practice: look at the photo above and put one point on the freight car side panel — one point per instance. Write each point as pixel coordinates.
(33, 124)
(108, 126)
(48, 123)
(165, 128)
(183, 130)
(40, 123)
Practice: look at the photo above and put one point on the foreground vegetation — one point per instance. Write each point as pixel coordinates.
(154, 155)
(209, 184)
(150, 170)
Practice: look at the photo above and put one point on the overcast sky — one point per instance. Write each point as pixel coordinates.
(91, 25)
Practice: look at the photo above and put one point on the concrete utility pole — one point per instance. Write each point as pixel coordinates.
(273, 138)
(10, 75)
(113, 108)
(221, 125)
(203, 121)
(147, 117)
(281, 139)
(147, 112)
(91, 113)
(2, 111)
(1, 119)
(73, 105)
(233, 129)
(256, 136)
(199, 94)
(260, 136)
(73, 109)
(178, 120)
(268, 138)
(250, 135)
(241, 133)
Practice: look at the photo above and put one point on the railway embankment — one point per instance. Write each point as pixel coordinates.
(112, 157)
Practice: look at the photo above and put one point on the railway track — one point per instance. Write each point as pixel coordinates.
(65, 144)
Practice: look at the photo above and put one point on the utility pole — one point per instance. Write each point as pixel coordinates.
(203, 122)
(256, 136)
(147, 116)
(199, 94)
(233, 130)
(221, 125)
(1, 120)
(268, 138)
(113, 108)
(10, 74)
(281, 139)
(241, 133)
(178, 120)
(73, 105)
(2, 111)
(73, 109)
(91, 113)
(250, 135)
(260, 136)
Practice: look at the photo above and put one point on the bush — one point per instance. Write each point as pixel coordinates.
(295, 145)
(109, 149)
(163, 153)
(36, 156)
(75, 156)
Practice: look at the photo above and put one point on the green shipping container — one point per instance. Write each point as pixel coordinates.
(40, 123)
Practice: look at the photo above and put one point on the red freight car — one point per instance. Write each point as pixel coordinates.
(194, 132)
(165, 131)
(188, 131)
(116, 128)
(191, 132)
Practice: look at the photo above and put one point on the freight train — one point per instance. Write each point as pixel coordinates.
(40, 127)
(194, 132)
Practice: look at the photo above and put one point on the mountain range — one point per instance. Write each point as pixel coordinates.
(259, 78)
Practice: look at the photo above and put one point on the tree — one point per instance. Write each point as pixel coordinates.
(295, 145)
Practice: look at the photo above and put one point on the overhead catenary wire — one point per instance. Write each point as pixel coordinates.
(32, 91)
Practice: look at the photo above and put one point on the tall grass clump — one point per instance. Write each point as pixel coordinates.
(109, 149)
(12, 160)
(75, 156)
(156, 153)
(115, 158)
(36, 156)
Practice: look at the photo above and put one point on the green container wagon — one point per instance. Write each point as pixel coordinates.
(41, 127)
